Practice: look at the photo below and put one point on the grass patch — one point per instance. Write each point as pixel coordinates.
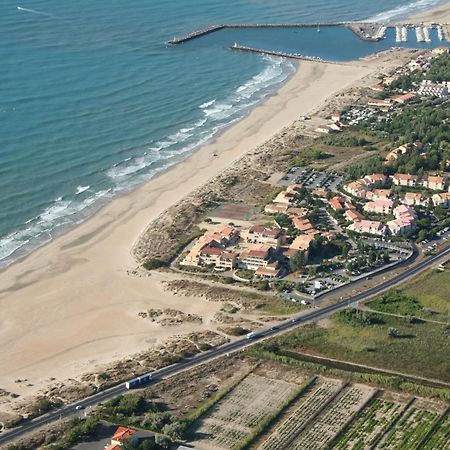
(432, 289)
(245, 274)
(427, 297)
(397, 302)
(279, 308)
(418, 348)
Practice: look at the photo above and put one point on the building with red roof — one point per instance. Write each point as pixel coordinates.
(122, 434)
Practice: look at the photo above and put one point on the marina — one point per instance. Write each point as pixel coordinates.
(213, 28)
(366, 31)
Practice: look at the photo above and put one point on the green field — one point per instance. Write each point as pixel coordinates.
(432, 289)
(414, 348)
(427, 297)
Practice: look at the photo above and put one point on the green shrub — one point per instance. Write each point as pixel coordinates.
(154, 263)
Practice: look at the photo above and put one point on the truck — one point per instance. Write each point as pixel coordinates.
(138, 381)
(251, 335)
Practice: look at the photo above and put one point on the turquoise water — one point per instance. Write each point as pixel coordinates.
(94, 103)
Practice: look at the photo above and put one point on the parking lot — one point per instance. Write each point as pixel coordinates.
(311, 178)
(440, 238)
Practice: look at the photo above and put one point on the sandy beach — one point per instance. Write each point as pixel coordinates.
(439, 14)
(71, 306)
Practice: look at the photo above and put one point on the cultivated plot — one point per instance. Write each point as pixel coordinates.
(308, 407)
(411, 430)
(246, 406)
(330, 422)
(371, 425)
(440, 439)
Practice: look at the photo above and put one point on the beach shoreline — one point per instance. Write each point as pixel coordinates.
(437, 14)
(71, 304)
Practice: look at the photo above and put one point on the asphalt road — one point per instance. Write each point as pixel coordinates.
(70, 410)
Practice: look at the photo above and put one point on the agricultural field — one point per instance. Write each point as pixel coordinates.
(410, 431)
(278, 407)
(356, 417)
(336, 416)
(306, 409)
(371, 425)
(232, 420)
(440, 439)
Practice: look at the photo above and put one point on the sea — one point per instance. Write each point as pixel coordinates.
(93, 102)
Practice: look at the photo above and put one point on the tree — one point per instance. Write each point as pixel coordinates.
(393, 332)
(423, 234)
(174, 430)
(147, 444)
(298, 261)
(372, 257)
(162, 441)
(263, 285)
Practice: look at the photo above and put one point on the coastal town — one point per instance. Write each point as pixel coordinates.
(322, 257)
(309, 235)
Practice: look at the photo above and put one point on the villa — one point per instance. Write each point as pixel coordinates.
(404, 179)
(209, 246)
(405, 218)
(442, 199)
(415, 199)
(375, 179)
(379, 206)
(276, 208)
(288, 195)
(261, 235)
(435, 183)
(340, 204)
(368, 226)
(127, 435)
(357, 188)
(378, 194)
(353, 216)
(256, 257)
(303, 225)
(399, 226)
(401, 150)
(301, 243)
(268, 272)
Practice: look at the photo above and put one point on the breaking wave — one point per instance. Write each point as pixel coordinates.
(403, 11)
